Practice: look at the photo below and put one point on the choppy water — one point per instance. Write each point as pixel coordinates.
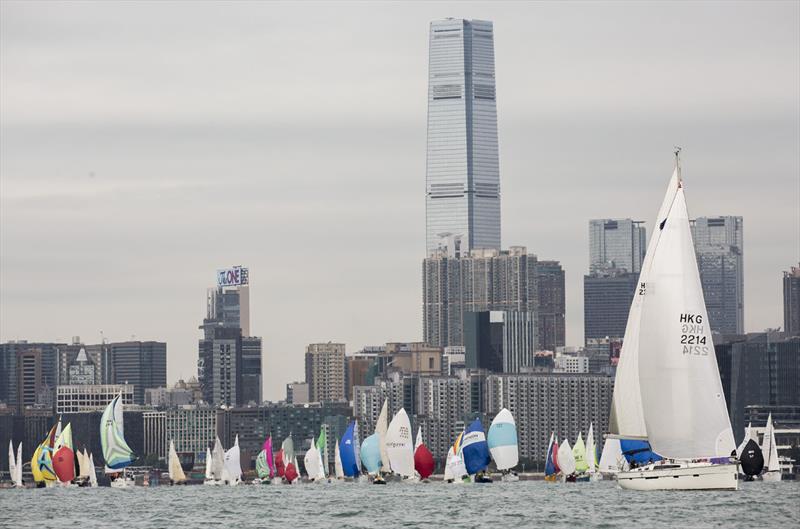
(349, 505)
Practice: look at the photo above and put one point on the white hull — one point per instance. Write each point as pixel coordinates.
(682, 476)
(509, 477)
(772, 476)
(212, 482)
(122, 483)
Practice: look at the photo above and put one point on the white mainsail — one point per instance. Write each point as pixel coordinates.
(337, 463)
(12, 462)
(419, 439)
(217, 460)
(83, 463)
(176, 473)
(18, 479)
(769, 449)
(676, 354)
(311, 461)
(232, 469)
(209, 472)
(566, 460)
(380, 428)
(748, 434)
(591, 451)
(400, 445)
(92, 471)
(627, 416)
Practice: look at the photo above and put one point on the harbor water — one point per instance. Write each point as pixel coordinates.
(354, 505)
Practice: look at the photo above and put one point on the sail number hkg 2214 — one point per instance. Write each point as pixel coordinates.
(693, 339)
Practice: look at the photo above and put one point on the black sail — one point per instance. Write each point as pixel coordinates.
(751, 459)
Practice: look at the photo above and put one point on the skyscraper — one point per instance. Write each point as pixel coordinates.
(616, 243)
(607, 297)
(500, 341)
(718, 244)
(325, 372)
(791, 301)
(550, 305)
(462, 170)
(141, 364)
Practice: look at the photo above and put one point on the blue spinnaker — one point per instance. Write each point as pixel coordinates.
(474, 448)
(371, 453)
(347, 452)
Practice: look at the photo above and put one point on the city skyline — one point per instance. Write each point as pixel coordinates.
(110, 191)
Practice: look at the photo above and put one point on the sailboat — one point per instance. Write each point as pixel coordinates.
(92, 471)
(312, 462)
(566, 462)
(64, 457)
(503, 445)
(291, 474)
(42, 460)
(289, 460)
(15, 465)
(381, 427)
(338, 470)
(232, 467)
(371, 457)
(475, 451)
(667, 389)
(611, 459)
(322, 451)
(116, 451)
(748, 434)
(579, 454)
(348, 452)
(551, 469)
(82, 479)
(423, 458)
(264, 464)
(400, 445)
(209, 475)
(769, 449)
(751, 460)
(176, 474)
(454, 469)
(591, 455)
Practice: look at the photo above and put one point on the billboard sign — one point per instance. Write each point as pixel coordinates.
(234, 276)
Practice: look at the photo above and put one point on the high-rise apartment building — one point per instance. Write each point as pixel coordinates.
(607, 297)
(43, 386)
(718, 244)
(219, 366)
(444, 406)
(617, 243)
(484, 280)
(500, 341)
(141, 364)
(791, 301)
(550, 305)
(325, 372)
(462, 169)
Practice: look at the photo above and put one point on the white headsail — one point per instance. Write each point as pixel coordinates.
(566, 460)
(311, 461)
(176, 473)
(380, 428)
(232, 469)
(591, 451)
(769, 449)
(217, 460)
(400, 445)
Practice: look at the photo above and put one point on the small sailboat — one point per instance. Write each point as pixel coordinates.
(503, 444)
(42, 461)
(371, 457)
(751, 460)
(423, 458)
(209, 476)
(551, 468)
(769, 450)
(64, 457)
(264, 464)
(579, 454)
(400, 445)
(232, 467)
(83, 479)
(290, 475)
(348, 452)
(475, 451)
(176, 474)
(566, 462)
(322, 451)
(116, 451)
(338, 470)
(312, 462)
(92, 471)
(591, 456)
(668, 390)
(611, 459)
(15, 465)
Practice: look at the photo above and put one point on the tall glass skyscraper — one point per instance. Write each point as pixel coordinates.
(616, 243)
(463, 173)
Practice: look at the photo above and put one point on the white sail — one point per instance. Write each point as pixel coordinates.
(232, 469)
(591, 451)
(627, 416)
(769, 449)
(676, 354)
(209, 473)
(611, 460)
(217, 460)
(18, 479)
(311, 461)
(176, 473)
(337, 463)
(400, 445)
(748, 434)
(83, 463)
(12, 462)
(380, 428)
(502, 440)
(566, 461)
(92, 471)
(419, 440)
(323, 464)
(457, 467)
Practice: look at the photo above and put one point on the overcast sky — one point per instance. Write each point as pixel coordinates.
(145, 145)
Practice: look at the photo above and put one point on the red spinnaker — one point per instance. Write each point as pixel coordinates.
(279, 468)
(291, 472)
(64, 464)
(423, 461)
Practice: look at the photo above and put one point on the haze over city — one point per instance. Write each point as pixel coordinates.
(141, 153)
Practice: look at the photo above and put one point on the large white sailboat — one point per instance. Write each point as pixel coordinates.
(772, 466)
(116, 451)
(232, 467)
(668, 389)
(400, 445)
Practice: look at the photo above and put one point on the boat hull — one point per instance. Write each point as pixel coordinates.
(686, 476)
(122, 483)
(772, 476)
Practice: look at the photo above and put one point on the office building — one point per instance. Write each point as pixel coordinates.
(251, 370)
(462, 170)
(718, 243)
(791, 301)
(79, 363)
(499, 341)
(84, 398)
(571, 363)
(398, 391)
(182, 394)
(550, 305)
(40, 374)
(607, 297)
(297, 393)
(454, 359)
(192, 429)
(155, 434)
(219, 366)
(545, 403)
(325, 372)
(228, 304)
(361, 370)
(616, 243)
(141, 364)
(483, 280)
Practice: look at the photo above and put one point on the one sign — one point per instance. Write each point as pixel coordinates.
(233, 277)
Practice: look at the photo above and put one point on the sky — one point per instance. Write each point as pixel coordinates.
(145, 145)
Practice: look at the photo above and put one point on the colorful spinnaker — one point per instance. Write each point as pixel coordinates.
(579, 454)
(348, 452)
(371, 454)
(474, 448)
(64, 456)
(116, 451)
(502, 440)
(268, 455)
